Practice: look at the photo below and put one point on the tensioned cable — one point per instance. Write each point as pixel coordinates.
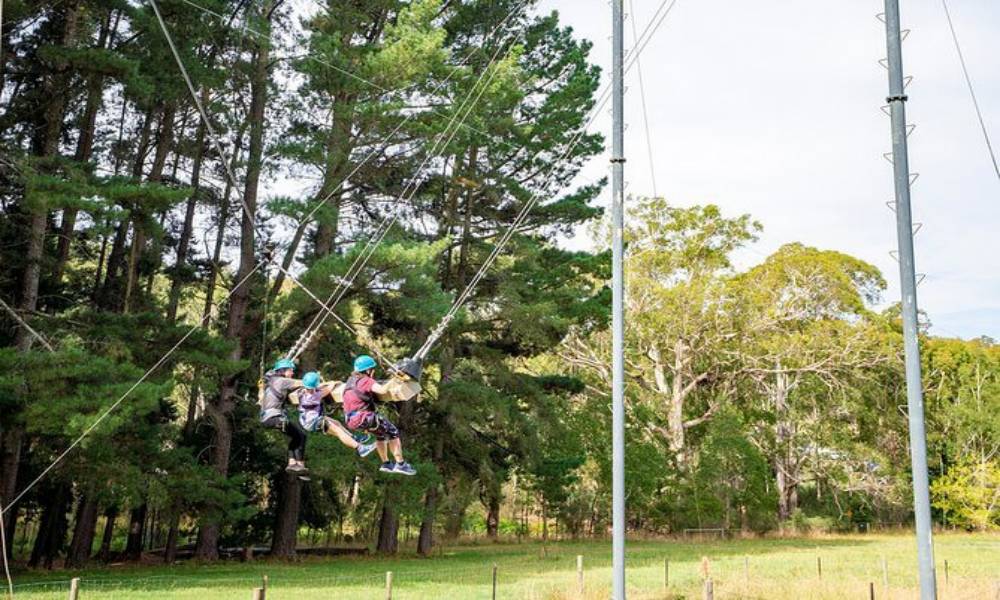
(631, 59)
(642, 96)
(204, 320)
(201, 109)
(121, 398)
(3, 544)
(972, 91)
(344, 283)
(365, 256)
(339, 69)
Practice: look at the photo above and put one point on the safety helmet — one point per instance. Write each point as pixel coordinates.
(310, 380)
(363, 363)
(284, 363)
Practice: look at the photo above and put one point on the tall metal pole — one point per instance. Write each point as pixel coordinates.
(618, 305)
(907, 275)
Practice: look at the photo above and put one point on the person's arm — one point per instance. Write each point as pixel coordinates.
(380, 388)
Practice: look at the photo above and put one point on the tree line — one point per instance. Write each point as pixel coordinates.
(755, 398)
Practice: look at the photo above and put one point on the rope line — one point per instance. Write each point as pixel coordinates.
(347, 72)
(631, 59)
(642, 95)
(207, 318)
(972, 91)
(309, 334)
(3, 540)
(108, 411)
(201, 109)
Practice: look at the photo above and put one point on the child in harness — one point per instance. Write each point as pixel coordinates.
(312, 400)
(361, 415)
(279, 388)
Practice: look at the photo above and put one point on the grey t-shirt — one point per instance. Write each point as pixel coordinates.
(276, 391)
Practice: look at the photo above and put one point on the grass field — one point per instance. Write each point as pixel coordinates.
(757, 568)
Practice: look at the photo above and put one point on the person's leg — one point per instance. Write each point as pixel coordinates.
(388, 431)
(380, 447)
(396, 447)
(279, 424)
(334, 428)
(296, 441)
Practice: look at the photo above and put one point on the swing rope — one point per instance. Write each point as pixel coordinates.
(207, 318)
(309, 334)
(631, 59)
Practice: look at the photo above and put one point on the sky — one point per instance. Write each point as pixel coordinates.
(771, 108)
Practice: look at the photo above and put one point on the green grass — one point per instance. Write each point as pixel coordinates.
(777, 568)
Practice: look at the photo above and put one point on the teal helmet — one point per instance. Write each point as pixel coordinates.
(311, 380)
(284, 363)
(363, 363)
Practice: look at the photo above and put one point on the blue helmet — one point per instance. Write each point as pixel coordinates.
(284, 363)
(363, 363)
(311, 380)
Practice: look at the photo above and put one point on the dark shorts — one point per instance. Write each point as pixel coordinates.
(383, 429)
(293, 431)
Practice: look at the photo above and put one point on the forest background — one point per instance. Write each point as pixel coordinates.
(763, 398)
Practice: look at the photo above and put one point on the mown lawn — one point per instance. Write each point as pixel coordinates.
(757, 568)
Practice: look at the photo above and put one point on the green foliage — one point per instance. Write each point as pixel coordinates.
(969, 495)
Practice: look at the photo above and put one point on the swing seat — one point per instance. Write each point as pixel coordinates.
(399, 390)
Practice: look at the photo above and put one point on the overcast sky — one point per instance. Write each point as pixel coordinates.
(771, 108)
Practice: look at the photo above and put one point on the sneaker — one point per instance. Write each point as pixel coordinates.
(304, 477)
(404, 468)
(364, 450)
(296, 468)
(388, 467)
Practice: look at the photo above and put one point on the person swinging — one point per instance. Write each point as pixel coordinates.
(360, 414)
(312, 399)
(279, 387)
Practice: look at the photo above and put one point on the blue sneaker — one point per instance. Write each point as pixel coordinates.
(364, 450)
(388, 467)
(404, 468)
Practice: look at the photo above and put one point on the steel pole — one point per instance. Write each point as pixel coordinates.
(907, 275)
(618, 304)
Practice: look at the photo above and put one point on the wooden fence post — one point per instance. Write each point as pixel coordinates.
(258, 594)
(709, 590)
(666, 573)
(871, 590)
(946, 571)
(494, 581)
(74, 588)
(264, 584)
(819, 567)
(579, 573)
(388, 585)
(885, 572)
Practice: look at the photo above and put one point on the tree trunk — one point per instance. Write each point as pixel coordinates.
(493, 517)
(183, 244)
(286, 524)
(237, 329)
(337, 158)
(136, 530)
(110, 516)
(52, 530)
(109, 297)
(83, 531)
(170, 550)
(425, 541)
(32, 271)
(388, 528)
(135, 256)
(10, 459)
(85, 143)
(782, 458)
